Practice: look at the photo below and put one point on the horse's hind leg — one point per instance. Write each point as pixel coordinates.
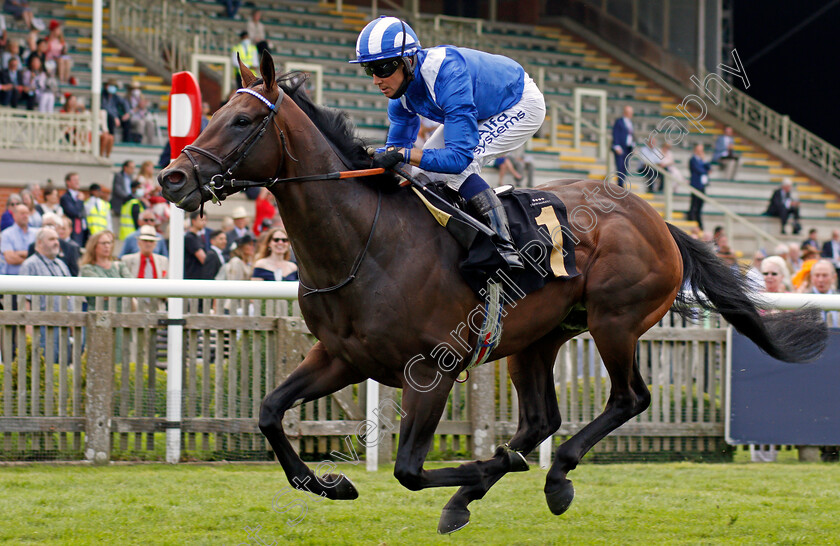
(539, 417)
(318, 375)
(629, 396)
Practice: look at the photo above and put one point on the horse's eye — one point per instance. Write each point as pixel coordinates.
(242, 122)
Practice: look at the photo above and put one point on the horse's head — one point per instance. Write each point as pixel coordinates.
(246, 127)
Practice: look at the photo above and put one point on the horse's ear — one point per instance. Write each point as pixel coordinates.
(267, 71)
(247, 76)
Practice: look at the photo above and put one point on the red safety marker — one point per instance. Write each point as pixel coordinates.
(184, 112)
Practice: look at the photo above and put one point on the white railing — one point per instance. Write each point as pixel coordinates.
(169, 32)
(779, 128)
(49, 132)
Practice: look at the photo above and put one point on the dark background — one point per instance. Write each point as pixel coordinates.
(801, 75)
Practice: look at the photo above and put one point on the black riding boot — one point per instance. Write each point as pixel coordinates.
(491, 211)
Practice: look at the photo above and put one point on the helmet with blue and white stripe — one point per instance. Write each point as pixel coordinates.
(385, 38)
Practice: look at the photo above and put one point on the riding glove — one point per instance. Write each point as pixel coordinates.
(388, 159)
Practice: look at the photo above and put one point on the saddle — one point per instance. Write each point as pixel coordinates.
(538, 224)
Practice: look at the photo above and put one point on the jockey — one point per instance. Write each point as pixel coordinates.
(487, 105)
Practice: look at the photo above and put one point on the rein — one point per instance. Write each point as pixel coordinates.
(226, 181)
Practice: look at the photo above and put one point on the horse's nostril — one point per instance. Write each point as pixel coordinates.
(174, 177)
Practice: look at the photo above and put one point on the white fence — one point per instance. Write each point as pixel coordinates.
(49, 132)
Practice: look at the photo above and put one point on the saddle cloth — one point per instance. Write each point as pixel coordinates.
(538, 225)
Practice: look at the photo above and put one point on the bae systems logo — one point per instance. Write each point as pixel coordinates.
(493, 127)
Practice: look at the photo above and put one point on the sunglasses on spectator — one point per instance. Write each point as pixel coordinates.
(771, 273)
(381, 69)
(280, 240)
(149, 220)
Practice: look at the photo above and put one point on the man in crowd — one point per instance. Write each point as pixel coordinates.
(45, 263)
(240, 229)
(121, 187)
(68, 251)
(214, 264)
(130, 246)
(194, 253)
(130, 212)
(724, 154)
(145, 264)
(98, 210)
(623, 144)
(74, 208)
(784, 204)
(15, 240)
(831, 249)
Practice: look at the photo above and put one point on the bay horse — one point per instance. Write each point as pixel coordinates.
(391, 290)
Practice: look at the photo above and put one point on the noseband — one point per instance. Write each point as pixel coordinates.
(225, 180)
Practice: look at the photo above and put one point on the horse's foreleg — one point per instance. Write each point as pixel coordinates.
(318, 375)
(539, 417)
(629, 396)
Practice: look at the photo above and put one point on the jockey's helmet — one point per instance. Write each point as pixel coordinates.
(386, 38)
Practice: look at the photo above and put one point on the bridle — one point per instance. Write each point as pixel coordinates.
(225, 180)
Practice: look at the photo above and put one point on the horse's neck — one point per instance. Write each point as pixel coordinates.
(328, 221)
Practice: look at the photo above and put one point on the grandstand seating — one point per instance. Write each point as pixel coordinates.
(312, 32)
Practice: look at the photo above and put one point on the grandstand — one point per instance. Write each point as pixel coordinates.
(144, 44)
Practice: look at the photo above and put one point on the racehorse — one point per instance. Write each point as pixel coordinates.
(380, 284)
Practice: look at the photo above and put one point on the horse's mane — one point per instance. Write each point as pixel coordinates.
(334, 124)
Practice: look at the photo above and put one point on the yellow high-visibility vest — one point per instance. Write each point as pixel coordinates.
(97, 216)
(127, 226)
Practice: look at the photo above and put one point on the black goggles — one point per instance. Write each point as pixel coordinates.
(382, 69)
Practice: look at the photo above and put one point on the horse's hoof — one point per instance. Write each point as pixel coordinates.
(453, 520)
(517, 461)
(561, 498)
(339, 487)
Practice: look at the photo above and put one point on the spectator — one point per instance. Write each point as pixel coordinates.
(45, 263)
(256, 31)
(272, 259)
(97, 210)
(74, 208)
(822, 280)
(68, 251)
(145, 264)
(795, 256)
(623, 143)
(121, 187)
(831, 249)
(15, 240)
(35, 219)
(19, 9)
(214, 264)
(98, 259)
(57, 52)
(43, 84)
(812, 239)
(725, 253)
(231, 7)
(506, 166)
(785, 204)
(194, 244)
(8, 219)
(130, 212)
(130, 244)
(247, 53)
(40, 51)
(801, 278)
(754, 276)
(265, 210)
(51, 201)
(649, 154)
(13, 90)
(146, 177)
(142, 123)
(117, 111)
(11, 51)
(699, 180)
(240, 265)
(240, 229)
(724, 154)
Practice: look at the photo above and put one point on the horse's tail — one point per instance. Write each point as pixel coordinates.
(793, 336)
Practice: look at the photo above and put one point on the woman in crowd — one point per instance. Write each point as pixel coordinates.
(28, 199)
(98, 259)
(43, 85)
(51, 201)
(272, 259)
(57, 51)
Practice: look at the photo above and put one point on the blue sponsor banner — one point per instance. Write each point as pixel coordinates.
(773, 402)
